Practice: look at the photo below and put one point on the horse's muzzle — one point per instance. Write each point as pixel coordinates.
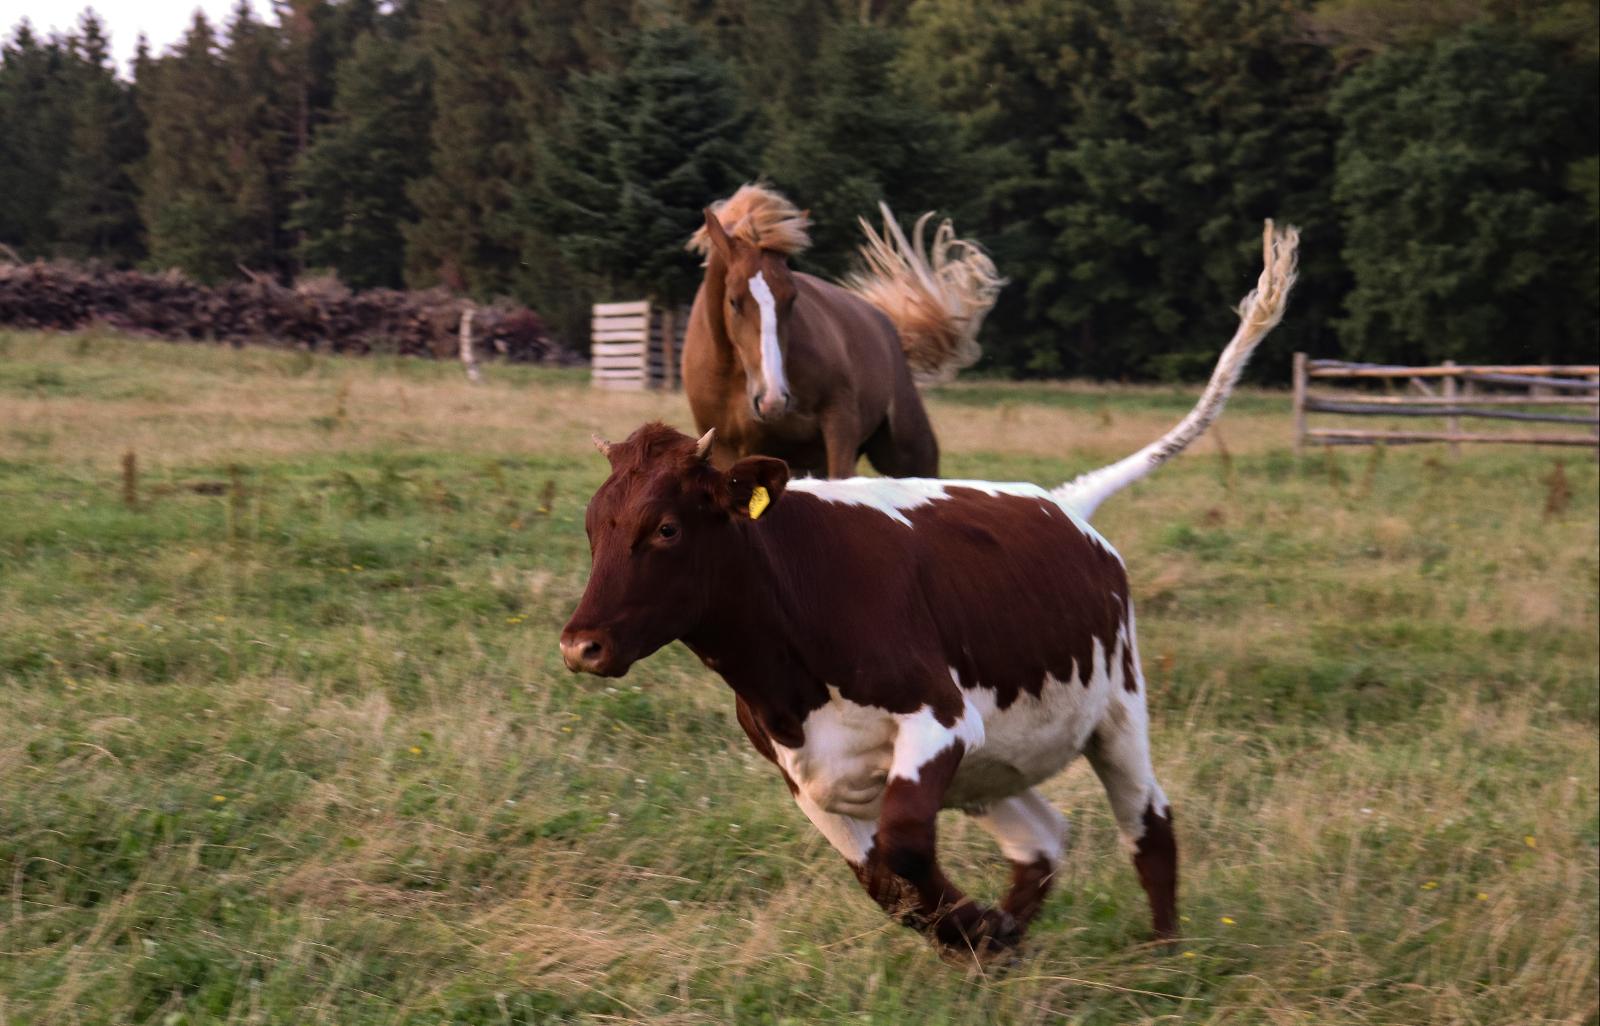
(771, 405)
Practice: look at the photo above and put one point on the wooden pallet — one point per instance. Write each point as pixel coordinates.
(636, 345)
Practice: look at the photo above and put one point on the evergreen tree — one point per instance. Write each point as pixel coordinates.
(1192, 129)
(186, 199)
(564, 39)
(864, 137)
(95, 210)
(353, 179)
(643, 150)
(1004, 71)
(466, 234)
(258, 108)
(35, 88)
(1465, 175)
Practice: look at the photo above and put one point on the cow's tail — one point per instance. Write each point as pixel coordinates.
(936, 295)
(1259, 313)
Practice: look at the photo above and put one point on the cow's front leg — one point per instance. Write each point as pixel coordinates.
(926, 755)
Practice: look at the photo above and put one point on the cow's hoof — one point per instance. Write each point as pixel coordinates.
(983, 932)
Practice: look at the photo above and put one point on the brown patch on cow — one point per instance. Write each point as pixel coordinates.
(1130, 679)
(1156, 859)
(759, 739)
(906, 847)
(1077, 590)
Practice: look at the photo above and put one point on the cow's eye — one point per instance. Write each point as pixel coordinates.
(668, 530)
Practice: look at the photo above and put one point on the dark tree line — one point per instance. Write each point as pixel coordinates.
(1116, 156)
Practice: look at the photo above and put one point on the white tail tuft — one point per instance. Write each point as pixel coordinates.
(936, 296)
(1259, 313)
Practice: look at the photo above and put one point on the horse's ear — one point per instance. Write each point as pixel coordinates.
(718, 235)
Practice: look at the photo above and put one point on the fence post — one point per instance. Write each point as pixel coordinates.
(469, 357)
(1299, 402)
(1452, 423)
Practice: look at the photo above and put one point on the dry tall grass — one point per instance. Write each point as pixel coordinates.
(309, 755)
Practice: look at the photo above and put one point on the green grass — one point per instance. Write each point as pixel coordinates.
(290, 740)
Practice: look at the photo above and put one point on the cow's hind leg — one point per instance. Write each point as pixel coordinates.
(1119, 751)
(1032, 834)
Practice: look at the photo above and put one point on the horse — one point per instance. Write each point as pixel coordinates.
(785, 364)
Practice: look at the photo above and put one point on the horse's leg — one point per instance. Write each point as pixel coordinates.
(841, 434)
(904, 445)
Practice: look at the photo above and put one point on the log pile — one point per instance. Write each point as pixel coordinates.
(318, 314)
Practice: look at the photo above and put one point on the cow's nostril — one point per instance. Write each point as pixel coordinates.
(582, 654)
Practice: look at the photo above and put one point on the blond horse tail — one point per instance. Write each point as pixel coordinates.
(936, 296)
(1259, 313)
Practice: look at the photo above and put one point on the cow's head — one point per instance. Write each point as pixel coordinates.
(662, 529)
(758, 295)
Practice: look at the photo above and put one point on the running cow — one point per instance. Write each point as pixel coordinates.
(901, 646)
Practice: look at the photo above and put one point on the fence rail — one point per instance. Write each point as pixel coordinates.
(1448, 392)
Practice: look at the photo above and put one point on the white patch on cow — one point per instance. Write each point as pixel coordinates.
(894, 496)
(1122, 762)
(1027, 827)
(1033, 738)
(843, 765)
(851, 836)
(920, 738)
(771, 356)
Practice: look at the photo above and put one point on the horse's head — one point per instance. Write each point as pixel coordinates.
(758, 296)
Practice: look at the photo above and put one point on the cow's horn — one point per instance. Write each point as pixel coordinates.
(603, 445)
(702, 448)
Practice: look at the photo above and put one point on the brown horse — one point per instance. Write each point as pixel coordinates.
(785, 364)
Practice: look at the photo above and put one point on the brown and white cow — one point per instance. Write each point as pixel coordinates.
(901, 646)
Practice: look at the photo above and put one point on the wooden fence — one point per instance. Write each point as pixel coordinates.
(1539, 394)
(636, 345)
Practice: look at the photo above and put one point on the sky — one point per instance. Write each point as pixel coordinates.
(164, 21)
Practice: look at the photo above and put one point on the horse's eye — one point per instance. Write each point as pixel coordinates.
(737, 304)
(668, 530)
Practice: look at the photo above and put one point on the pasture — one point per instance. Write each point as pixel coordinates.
(288, 739)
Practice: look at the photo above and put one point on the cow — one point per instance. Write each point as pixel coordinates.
(901, 646)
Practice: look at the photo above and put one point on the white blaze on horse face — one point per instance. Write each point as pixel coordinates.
(777, 384)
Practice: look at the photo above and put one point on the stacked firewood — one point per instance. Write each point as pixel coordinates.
(318, 314)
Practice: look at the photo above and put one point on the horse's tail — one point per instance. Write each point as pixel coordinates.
(936, 296)
(1259, 313)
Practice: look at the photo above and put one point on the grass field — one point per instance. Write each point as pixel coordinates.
(289, 740)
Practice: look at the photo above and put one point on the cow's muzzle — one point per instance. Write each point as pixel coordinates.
(588, 652)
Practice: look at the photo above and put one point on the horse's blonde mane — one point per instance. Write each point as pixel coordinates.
(761, 216)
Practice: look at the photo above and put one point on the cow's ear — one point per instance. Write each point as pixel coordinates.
(755, 484)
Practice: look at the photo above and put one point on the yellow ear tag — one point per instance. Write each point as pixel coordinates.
(759, 501)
